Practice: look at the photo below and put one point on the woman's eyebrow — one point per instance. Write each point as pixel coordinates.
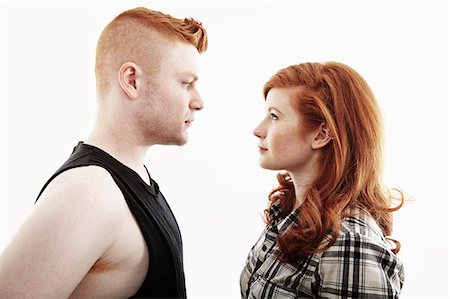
(273, 108)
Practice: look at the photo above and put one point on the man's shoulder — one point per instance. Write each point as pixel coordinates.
(75, 222)
(83, 175)
(85, 185)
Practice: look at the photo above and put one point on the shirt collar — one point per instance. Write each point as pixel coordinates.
(278, 223)
(275, 212)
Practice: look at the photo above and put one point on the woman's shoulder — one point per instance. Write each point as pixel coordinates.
(361, 261)
(361, 224)
(361, 242)
(360, 230)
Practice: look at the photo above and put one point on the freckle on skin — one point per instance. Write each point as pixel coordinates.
(283, 140)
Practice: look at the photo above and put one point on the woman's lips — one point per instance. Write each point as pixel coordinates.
(262, 149)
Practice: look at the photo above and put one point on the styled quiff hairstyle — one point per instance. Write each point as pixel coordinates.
(349, 174)
(136, 35)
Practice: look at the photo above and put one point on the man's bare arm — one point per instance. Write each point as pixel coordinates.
(71, 227)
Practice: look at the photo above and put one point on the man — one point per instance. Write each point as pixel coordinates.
(101, 227)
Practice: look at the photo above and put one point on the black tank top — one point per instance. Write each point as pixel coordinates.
(165, 276)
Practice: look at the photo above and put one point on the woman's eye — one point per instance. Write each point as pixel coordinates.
(273, 116)
(187, 84)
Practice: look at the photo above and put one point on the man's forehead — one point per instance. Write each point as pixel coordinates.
(181, 60)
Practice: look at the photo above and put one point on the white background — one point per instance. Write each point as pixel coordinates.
(214, 183)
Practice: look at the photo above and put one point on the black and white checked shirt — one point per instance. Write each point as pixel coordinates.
(359, 264)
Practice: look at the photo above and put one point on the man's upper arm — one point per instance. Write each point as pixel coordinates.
(71, 226)
(355, 266)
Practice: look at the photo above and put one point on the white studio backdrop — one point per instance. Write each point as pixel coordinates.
(214, 184)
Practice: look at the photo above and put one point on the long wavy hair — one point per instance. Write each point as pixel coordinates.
(349, 174)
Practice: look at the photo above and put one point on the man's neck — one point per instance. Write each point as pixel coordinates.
(122, 147)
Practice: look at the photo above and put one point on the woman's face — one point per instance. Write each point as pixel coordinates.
(283, 144)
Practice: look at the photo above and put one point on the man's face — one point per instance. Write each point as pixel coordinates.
(170, 97)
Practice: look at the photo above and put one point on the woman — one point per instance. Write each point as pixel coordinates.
(328, 221)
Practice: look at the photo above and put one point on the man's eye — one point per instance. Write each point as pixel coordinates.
(187, 84)
(273, 116)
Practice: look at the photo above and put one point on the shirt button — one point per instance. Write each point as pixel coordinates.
(264, 248)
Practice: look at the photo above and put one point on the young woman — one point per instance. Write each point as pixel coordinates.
(329, 220)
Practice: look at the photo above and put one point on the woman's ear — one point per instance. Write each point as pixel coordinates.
(322, 137)
(127, 77)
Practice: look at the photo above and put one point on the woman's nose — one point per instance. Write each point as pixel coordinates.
(259, 132)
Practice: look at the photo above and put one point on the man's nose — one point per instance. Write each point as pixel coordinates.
(196, 102)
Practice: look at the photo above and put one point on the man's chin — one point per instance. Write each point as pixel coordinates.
(181, 141)
(178, 141)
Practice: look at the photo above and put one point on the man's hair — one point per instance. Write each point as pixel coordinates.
(135, 35)
(349, 175)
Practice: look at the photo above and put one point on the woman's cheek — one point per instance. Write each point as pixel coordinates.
(282, 142)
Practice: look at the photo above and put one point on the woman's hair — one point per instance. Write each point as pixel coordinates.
(349, 173)
(135, 34)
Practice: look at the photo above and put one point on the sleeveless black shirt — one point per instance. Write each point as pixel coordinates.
(165, 276)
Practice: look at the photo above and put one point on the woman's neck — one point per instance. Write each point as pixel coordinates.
(302, 180)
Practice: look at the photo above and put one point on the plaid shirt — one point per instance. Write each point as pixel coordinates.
(359, 264)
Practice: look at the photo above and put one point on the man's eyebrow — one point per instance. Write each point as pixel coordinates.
(190, 74)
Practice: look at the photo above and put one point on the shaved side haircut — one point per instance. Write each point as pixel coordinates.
(137, 35)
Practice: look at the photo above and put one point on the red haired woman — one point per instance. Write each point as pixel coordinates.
(329, 220)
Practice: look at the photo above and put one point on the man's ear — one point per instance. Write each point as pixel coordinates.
(322, 137)
(127, 76)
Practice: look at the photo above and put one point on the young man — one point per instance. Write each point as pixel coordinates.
(101, 227)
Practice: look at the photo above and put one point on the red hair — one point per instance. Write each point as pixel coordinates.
(135, 35)
(349, 174)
